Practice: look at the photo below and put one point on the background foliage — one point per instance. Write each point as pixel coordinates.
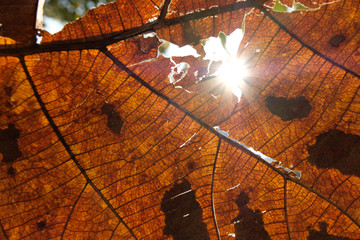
(69, 10)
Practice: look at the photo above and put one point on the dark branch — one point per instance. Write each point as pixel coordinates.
(107, 39)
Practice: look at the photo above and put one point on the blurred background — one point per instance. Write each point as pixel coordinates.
(57, 13)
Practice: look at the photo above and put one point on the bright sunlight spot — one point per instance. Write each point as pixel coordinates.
(224, 48)
(232, 72)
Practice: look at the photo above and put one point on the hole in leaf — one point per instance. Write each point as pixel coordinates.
(58, 13)
(224, 49)
(169, 50)
(296, 6)
(280, 7)
(178, 72)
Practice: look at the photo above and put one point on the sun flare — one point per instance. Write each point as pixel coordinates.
(233, 70)
(233, 73)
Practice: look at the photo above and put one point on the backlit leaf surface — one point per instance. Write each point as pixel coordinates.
(96, 143)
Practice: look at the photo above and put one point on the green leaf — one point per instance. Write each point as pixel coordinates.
(279, 7)
(222, 37)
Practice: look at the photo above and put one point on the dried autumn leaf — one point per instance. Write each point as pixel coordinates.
(96, 143)
(19, 21)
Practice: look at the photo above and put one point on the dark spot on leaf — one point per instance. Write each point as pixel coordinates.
(336, 40)
(322, 234)
(202, 71)
(8, 91)
(242, 199)
(188, 36)
(41, 225)
(114, 120)
(336, 149)
(183, 214)
(8, 104)
(107, 109)
(288, 109)
(191, 165)
(145, 45)
(144, 177)
(8, 144)
(11, 171)
(248, 223)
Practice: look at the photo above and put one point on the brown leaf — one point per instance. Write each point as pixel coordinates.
(96, 143)
(19, 21)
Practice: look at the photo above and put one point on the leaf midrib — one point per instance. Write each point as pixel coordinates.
(67, 147)
(101, 44)
(222, 137)
(108, 39)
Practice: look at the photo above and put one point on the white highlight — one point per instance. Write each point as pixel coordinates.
(233, 73)
(224, 48)
(169, 50)
(149, 34)
(265, 158)
(183, 193)
(177, 69)
(232, 188)
(187, 141)
(52, 25)
(38, 39)
(226, 134)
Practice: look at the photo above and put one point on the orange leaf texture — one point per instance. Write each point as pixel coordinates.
(169, 119)
(19, 22)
